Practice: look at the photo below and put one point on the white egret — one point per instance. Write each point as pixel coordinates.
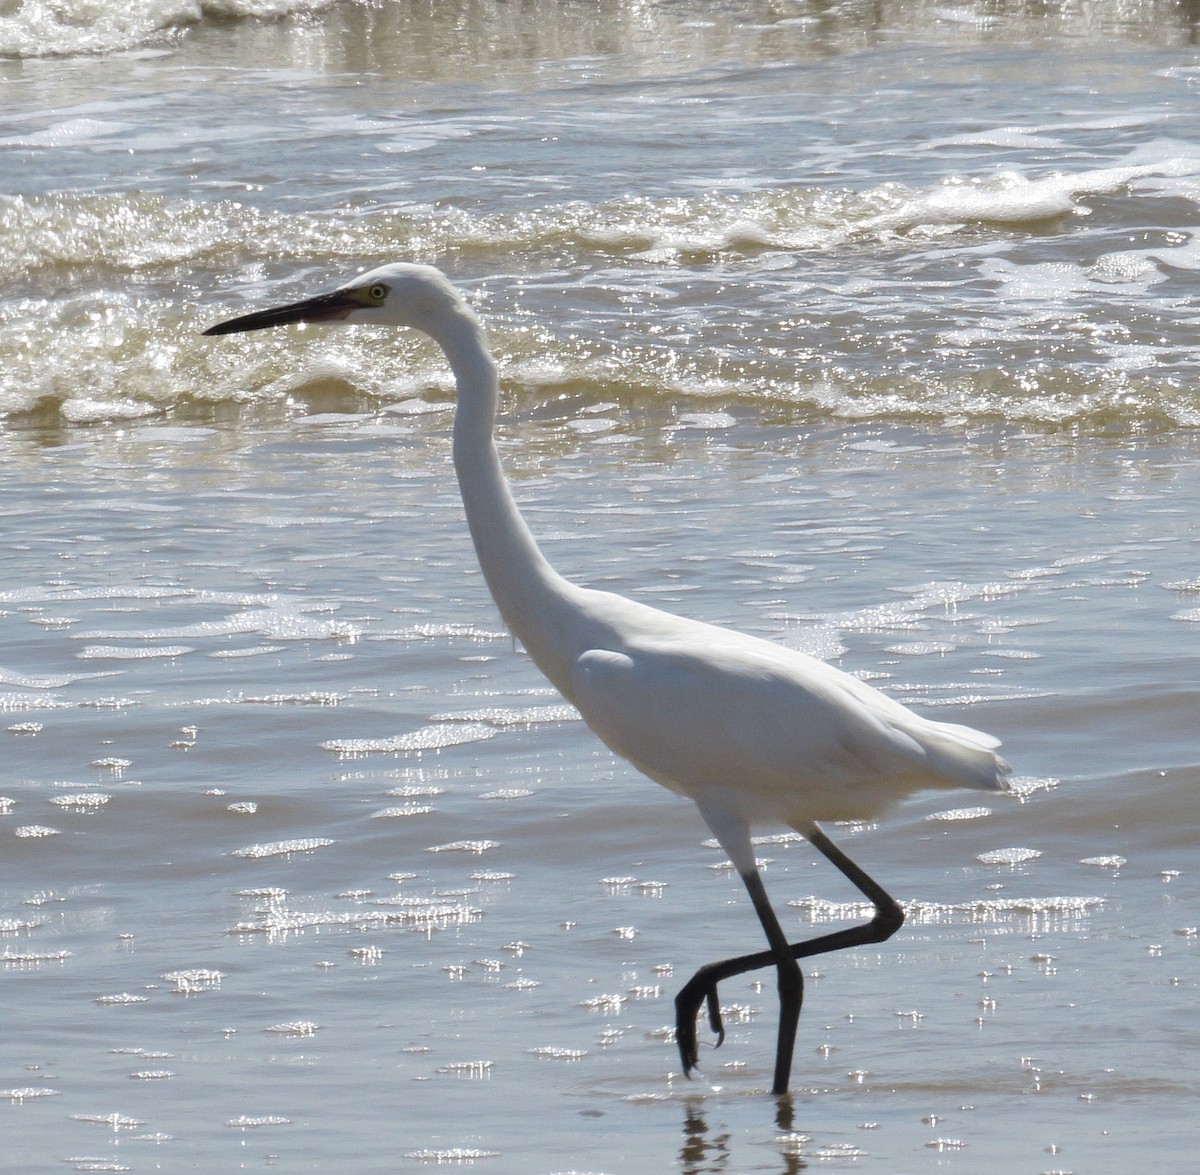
(751, 731)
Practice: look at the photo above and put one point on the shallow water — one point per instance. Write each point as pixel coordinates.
(873, 338)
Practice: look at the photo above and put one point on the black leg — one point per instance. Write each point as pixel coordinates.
(791, 982)
(701, 989)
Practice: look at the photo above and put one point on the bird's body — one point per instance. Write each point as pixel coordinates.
(751, 731)
(771, 735)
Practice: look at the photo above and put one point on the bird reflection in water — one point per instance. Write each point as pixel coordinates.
(704, 1152)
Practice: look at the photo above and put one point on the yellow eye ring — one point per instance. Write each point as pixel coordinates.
(378, 292)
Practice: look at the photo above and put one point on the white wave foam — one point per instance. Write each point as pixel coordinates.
(1012, 198)
(282, 848)
(106, 354)
(132, 653)
(1039, 910)
(285, 621)
(427, 738)
(69, 131)
(277, 920)
(43, 680)
(50, 595)
(1013, 856)
(960, 814)
(46, 28)
(521, 716)
(194, 980)
(135, 232)
(1015, 137)
(59, 28)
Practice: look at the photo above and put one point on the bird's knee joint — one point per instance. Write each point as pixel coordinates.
(888, 919)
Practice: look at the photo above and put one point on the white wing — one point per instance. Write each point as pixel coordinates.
(767, 732)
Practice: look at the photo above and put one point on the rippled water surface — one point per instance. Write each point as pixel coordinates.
(870, 332)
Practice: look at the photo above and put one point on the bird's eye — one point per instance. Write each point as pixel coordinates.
(378, 292)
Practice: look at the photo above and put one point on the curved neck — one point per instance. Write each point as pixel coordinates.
(532, 597)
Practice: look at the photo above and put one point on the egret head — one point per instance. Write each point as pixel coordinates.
(399, 294)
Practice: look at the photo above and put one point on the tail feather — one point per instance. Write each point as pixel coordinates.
(966, 757)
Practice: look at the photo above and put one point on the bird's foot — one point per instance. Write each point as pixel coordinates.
(699, 990)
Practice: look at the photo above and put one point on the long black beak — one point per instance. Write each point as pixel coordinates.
(323, 308)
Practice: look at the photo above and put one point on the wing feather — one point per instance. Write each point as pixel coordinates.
(774, 733)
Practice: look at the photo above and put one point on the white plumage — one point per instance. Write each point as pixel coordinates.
(752, 732)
